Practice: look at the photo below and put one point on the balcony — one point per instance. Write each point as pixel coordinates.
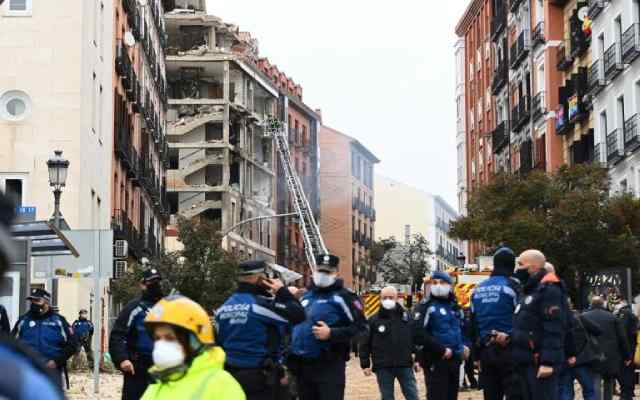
(631, 44)
(526, 157)
(500, 77)
(614, 148)
(539, 106)
(597, 154)
(631, 139)
(612, 62)
(541, 154)
(565, 59)
(499, 137)
(537, 36)
(123, 64)
(499, 20)
(596, 7)
(595, 78)
(519, 49)
(515, 4)
(520, 113)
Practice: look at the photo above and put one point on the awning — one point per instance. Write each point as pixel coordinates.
(46, 240)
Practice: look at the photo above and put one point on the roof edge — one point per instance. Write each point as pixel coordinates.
(470, 13)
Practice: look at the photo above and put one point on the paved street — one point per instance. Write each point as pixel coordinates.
(359, 387)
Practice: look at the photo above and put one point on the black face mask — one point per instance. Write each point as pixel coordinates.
(83, 317)
(154, 291)
(522, 275)
(36, 308)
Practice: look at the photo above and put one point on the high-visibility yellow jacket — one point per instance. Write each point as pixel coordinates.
(205, 379)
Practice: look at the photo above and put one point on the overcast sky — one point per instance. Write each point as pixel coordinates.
(382, 72)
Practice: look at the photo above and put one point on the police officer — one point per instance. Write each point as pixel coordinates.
(250, 327)
(492, 304)
(130, 345)
(83, 329)
(438, 328)
(539, 328)
(24, 376)
(46, 332)
(320, 345)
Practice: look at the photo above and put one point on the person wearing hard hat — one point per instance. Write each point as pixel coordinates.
(186, 364)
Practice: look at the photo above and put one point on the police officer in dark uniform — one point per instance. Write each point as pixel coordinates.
(438, 329)
(45, 331)
(320, 345)
(539, 328)
(83, 329)
(24, 375)
(250, 328)
(492, 304)
(130, 345)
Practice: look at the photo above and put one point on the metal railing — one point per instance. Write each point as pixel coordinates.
(519, 49)
(565, 59)
(500, 77)
(499, 137)
(539, 105)
(499, 19)
(612, 62)
(537, 36)
(631, 44)
(631, 140)
(595, 77)
(596, 7)
(614, 150)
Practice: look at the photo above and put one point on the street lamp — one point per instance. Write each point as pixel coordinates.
(462, 258)
(58, 168)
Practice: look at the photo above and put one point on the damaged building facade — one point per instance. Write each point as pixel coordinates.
(221, 165)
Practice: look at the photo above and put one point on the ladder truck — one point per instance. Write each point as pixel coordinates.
(313, 242)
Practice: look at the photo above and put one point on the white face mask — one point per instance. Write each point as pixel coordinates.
(388, 304)
(323, 279)
(440, 290)
(167, 354)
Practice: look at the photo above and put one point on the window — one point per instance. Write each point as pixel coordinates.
(15, 105)
(621, 117)
(14, 187)
(19, 8)
(603, 125)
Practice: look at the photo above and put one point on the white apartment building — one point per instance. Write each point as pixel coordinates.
(55, 94)
(614, 83)
(461, 137)
(403, 211)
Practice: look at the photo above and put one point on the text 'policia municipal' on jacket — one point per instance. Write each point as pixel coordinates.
(250, 322)
(389, 341)
(540, 321)
(437, 327)
(341, 310)
(49, 335)
(492, 304)
(129, 338)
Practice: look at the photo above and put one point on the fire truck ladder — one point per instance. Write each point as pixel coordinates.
(313, 243)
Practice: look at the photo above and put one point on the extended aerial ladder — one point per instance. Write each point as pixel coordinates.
(313, 243)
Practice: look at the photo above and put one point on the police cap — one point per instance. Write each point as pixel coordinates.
(151, 275)
(252, 267)
(327, 262)
(39, 294)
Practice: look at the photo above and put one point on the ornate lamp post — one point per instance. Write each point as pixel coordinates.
(58, 168)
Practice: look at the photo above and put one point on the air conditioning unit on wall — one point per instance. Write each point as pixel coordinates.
(119, 269)
(121, 249)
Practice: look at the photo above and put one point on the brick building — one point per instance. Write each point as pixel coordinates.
(139, 199)
(511, 88)
(348, 205)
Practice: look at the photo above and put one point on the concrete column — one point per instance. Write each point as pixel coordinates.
(225, 90)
